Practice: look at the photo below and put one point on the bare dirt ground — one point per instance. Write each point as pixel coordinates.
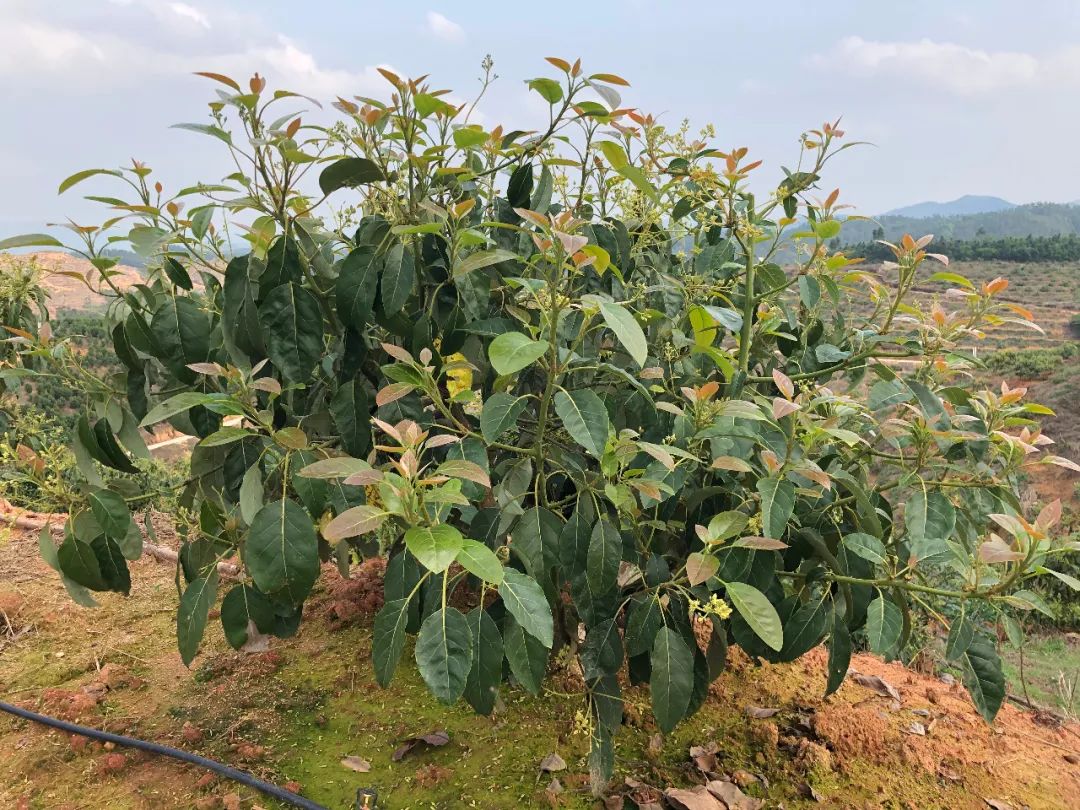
(292, 713)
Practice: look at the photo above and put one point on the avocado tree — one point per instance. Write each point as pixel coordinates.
(592, 389)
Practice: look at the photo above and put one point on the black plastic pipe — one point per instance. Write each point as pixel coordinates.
(243, 778)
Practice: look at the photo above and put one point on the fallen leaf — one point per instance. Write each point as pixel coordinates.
(704, 756)
(433, 739)
(760, 713)
(882, 687)
(356, 764)
(735, 799)
(552, 762)
(697, 799)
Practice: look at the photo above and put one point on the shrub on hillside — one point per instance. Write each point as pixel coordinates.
(560, 369)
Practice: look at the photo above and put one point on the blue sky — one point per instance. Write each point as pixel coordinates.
(957, 96)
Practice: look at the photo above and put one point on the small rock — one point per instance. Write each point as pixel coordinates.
(231, 801)
(917, 729)
(191, 733)
(208, 803)
(293, 787)
(921, 712)
(948, 679)
(250, 752)
(112, 763)
(205, 780)
(78, 743)
(761, 713)
(1072, 759)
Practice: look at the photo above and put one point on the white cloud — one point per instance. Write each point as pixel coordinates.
(37, 52)
(190, 13)
(444, 28)
(948, 66)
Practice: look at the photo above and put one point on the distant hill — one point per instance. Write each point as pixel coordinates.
(968, 204)
(1037, 219)
(66, 292)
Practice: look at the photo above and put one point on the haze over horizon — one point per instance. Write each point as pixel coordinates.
(947, 96)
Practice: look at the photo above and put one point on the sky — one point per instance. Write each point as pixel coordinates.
(956, 96)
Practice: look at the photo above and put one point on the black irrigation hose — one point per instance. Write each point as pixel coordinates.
(156, 748)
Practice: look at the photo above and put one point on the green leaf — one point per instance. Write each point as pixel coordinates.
(804, 629)
(176, 273)
(757, 612)
(777, 504)
(351, 409)
(585, 418)
(465, 137)
(251, 493)
(435, 547)
(282, 551)
(672, 678)
(114, 568)
(500, 413)
(602, 651)
(398, 278)
(388, 639)
(348, 173)
(644, 620)
(961, 634)
(291, 320)
(79, 563)
(356, 287)
(1069, 580)
(839, 652)
(480, 561)
(206, 129)
(182, 332)
(194, 610)
(605, 554)
(884, 625)
(242, 607)
(525, 654)
(930, 518)
(485, 674)
(510, 352)
(525, 601)
(626, 329)
(866, 546)
(111, 512)
(444, 653)
(78, 593)
(983, 677)
(485, 258)
(30, 240)
(226, 435)
(78, 177)
(550, 89)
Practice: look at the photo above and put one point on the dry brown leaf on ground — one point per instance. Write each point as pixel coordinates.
(879, 685)
(551, 763)
(698, 798)
(433, 739)
(356, 764)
